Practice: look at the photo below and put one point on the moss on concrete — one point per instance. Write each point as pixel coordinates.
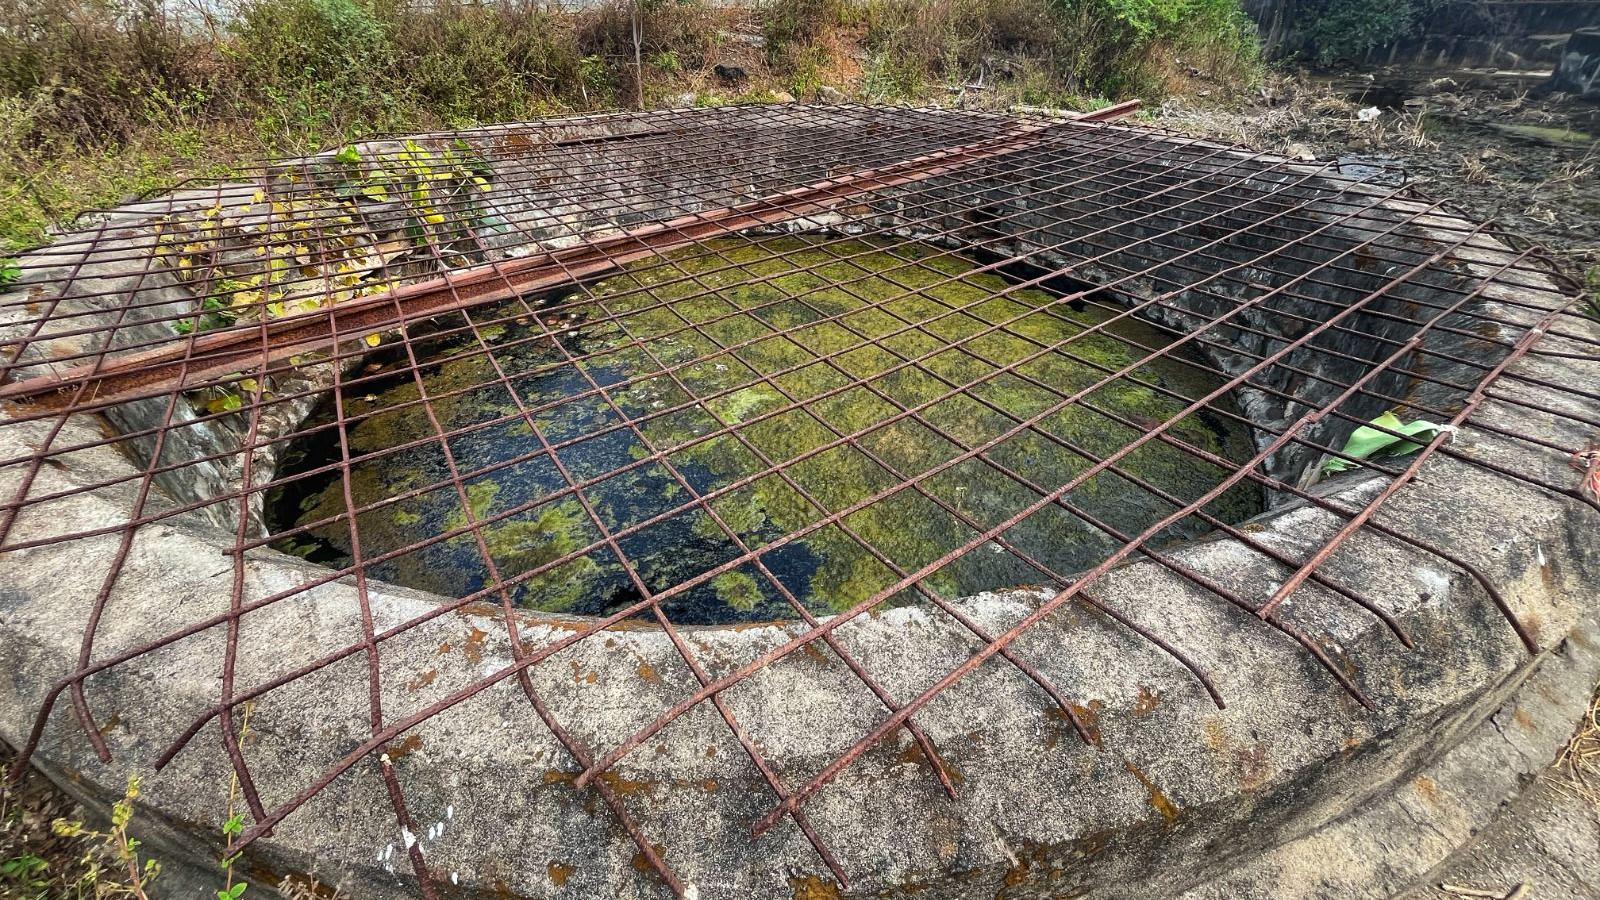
(749, 329)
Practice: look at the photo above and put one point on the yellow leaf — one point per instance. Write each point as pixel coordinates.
(373, 340)
(225, 403)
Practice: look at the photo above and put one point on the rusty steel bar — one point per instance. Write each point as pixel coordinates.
(469, 287)
(461, 289)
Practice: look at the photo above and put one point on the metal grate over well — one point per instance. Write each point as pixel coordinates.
(697, 368)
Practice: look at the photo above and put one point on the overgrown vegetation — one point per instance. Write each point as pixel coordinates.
(51, 848)
(47, 853)
(1037, 51)
(102, 100)
(1345, 30)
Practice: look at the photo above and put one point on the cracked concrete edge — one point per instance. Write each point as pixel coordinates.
(1547, 840)
(1414, 825)
(998, 837)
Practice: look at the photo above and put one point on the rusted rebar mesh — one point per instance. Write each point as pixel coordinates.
(750, 363)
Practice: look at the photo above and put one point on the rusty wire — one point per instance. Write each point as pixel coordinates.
(1208, 244)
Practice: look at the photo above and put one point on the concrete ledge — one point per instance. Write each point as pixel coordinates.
(1420, 819)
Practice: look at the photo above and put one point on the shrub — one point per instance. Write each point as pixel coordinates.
(476, 61)
(791, 23)
(1347, 29)
(1129, 46)
(1104, 47)
(97, 66)
(310, 43)
(950, 40)
(312, 63)
(686, 28)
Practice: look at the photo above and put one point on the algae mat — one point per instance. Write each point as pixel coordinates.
(793, 343)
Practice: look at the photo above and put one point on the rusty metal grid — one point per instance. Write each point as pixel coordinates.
(1141, 218)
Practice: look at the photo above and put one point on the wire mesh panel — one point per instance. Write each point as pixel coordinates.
(740, 365)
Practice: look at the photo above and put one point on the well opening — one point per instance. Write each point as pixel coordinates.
(793, 379)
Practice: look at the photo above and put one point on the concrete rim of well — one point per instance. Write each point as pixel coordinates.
(1173, 790)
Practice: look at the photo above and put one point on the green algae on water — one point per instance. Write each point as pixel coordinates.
(805, 348)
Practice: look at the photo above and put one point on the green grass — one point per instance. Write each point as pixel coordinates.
(101, 101)
(51, 185)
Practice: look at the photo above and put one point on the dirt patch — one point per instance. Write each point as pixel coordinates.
(1578, 768)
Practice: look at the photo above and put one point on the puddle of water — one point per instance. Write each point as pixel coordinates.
(751, 290)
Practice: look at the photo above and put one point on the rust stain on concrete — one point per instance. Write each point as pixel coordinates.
(559, 872)
(641, 863)
(410, 744)
(1148, 700)
(1158, 799)
(422, 680)
(473, 647)
(812, 887)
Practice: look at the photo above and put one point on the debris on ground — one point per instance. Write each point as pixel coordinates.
(1487, 142)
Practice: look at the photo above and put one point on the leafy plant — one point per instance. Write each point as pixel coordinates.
(667, 61)
(1347, 29)
(10, 271)
(233, 826)
(137, 875)
(594, 79)
(1386, 436)
(25, 873)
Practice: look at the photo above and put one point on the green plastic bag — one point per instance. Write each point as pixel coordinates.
(1367, 442)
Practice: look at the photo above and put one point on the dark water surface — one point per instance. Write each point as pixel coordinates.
(744, 293)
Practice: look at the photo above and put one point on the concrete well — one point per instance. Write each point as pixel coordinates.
(1172, 792)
